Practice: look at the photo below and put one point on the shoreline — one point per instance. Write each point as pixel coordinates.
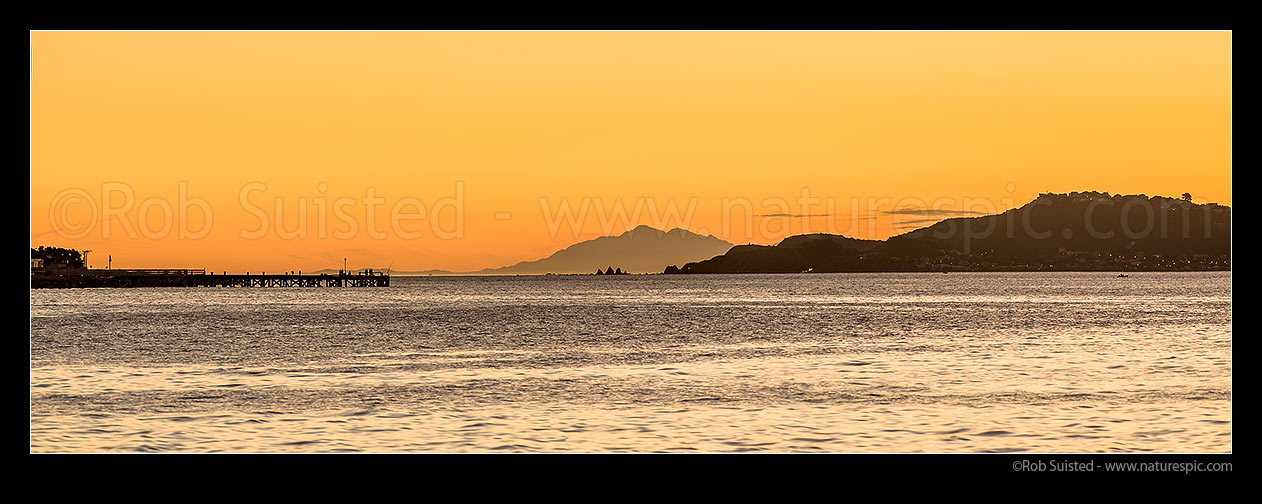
(109, 283)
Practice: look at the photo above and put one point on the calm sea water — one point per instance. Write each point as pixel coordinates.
(964, 362)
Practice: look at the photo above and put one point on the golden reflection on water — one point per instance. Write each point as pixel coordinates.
(1134, 386)
(1036, 396)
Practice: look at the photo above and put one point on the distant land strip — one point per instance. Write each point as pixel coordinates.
(1079, 231)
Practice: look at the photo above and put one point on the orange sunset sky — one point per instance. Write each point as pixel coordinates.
(490, 134)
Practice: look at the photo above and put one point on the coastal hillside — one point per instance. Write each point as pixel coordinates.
(1079, 222)
(1074, 231)
(641, 250)
(818, 252)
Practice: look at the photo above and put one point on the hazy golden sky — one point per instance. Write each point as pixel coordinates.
(511, 126)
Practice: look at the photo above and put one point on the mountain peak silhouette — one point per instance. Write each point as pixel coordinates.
(642, 249)
(642, 228)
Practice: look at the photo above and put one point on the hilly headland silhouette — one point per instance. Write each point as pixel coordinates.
(1079, 231)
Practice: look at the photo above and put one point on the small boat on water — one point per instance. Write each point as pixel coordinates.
(1123, 275)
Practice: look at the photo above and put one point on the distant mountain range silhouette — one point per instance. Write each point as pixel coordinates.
(1074, 231)
(641, 250)
(644, 249)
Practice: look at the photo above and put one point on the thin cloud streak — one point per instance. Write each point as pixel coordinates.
(931, 211)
